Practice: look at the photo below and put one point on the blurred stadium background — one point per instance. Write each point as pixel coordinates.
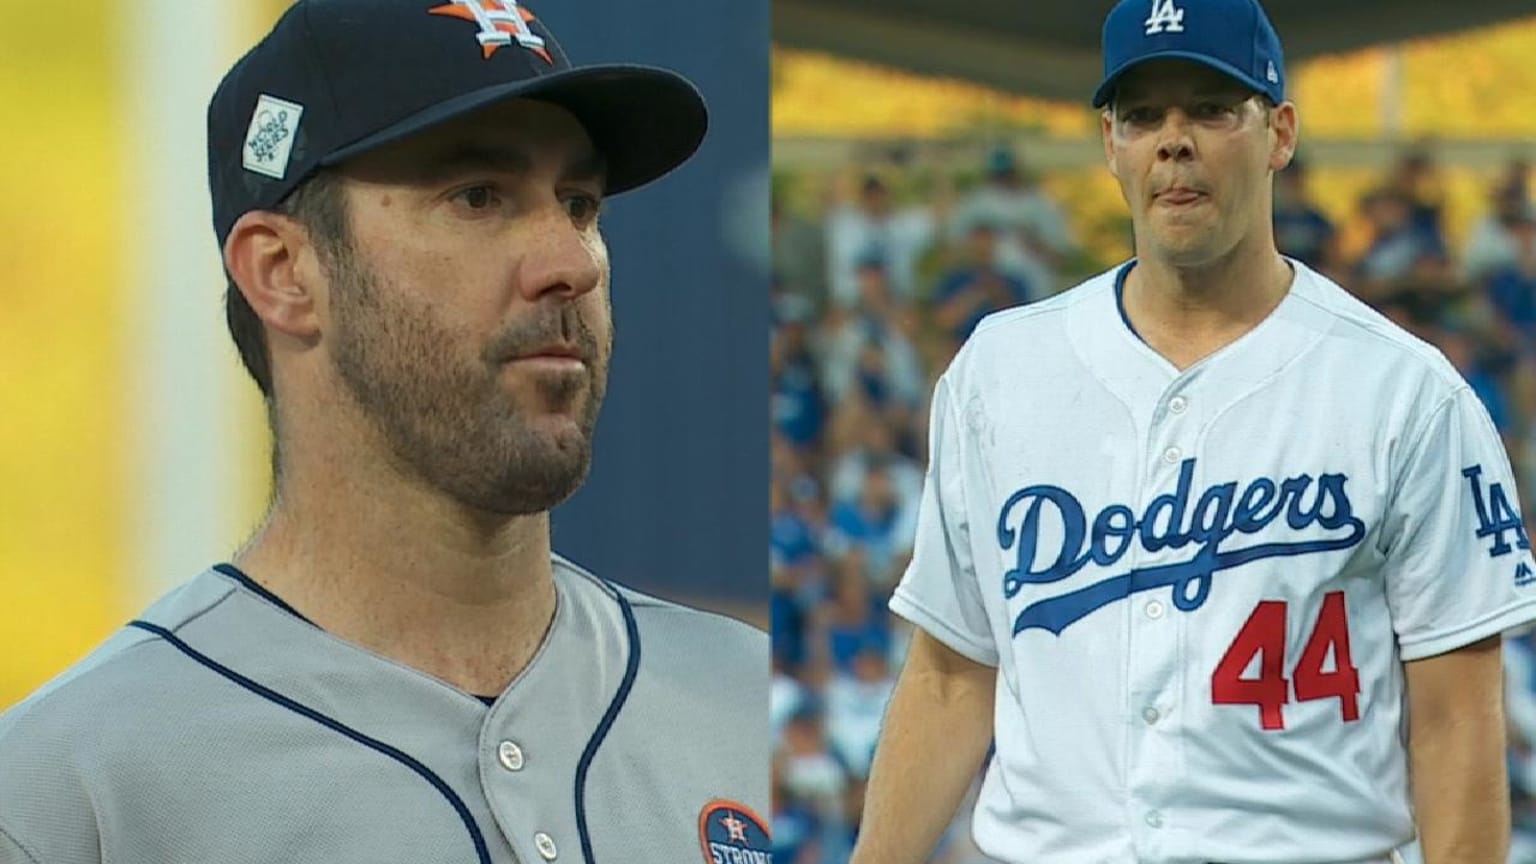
(933, 163)
(133, 451)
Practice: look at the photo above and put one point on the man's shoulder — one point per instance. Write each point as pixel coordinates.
(121, 679)
(93, 681)
(1046, 313)
(693, 662)
(1371, 339)
(1034, 329)
(89, 728)
(691, 626)
(676, 622)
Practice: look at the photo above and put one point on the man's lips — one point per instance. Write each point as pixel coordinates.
(552, 357)
(1179, 195)
(568, 351)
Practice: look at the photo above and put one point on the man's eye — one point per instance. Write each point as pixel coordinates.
(583, 208)
(1210, 109)
(477, 197)
(1140, 116)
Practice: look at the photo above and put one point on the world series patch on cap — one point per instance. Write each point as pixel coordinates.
(731, 833)
(338, 78)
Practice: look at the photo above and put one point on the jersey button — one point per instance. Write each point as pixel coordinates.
(546, 846)
(1155, 819)
(1171, 455)
(1150, 715)
(1177, 404)
(511, 756)
(1154, 609)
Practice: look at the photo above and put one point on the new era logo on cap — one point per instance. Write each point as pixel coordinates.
(269, 140)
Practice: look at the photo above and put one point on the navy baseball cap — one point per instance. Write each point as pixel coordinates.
(1230, 36)
(337, 78)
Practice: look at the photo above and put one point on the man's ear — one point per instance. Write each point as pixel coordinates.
(272, 261)
(1284, 130)
(1107, 129)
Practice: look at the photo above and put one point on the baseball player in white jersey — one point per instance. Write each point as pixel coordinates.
(397, 668)
(1218, 556)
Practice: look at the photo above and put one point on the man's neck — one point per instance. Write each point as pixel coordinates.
(1188, 313)
(393, 567)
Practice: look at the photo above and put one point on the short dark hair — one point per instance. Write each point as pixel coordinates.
(1267, 104)
(319, 205)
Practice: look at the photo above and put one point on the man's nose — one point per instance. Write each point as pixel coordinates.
(1174, 139)
(561, 258)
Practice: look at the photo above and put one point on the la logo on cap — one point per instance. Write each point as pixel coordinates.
(1165, 17)
(500, 22)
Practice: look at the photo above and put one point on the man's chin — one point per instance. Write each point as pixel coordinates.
(527, 490)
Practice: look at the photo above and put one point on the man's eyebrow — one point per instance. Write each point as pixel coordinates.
(590, 166)
(1205, 92)
(480, 156)
(476, 156)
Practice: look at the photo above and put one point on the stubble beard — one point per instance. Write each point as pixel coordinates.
(450, 421)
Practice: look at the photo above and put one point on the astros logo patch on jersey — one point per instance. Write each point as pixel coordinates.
(501, 21)
(1169, 522)
(730, 833)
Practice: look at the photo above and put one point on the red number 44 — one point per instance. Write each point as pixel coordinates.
(1264, 635)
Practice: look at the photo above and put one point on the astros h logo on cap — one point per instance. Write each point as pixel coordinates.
(500, 22)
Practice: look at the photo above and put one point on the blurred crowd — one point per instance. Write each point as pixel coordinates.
(875, 288)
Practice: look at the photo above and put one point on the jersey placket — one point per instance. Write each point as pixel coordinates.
(532, 739)
(1155, 642)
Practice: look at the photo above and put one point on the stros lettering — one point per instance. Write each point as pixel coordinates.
(1220, 512)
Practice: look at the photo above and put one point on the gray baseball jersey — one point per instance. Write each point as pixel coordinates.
(222, 726)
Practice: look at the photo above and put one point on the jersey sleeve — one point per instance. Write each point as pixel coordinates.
(1459, 565)
(939, 592)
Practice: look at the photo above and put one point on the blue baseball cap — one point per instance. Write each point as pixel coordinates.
(1230, 36)
(337, 78)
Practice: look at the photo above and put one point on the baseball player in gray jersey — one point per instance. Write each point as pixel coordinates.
(1218, 556)
(397, 667)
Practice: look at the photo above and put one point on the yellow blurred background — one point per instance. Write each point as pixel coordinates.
(84, 431)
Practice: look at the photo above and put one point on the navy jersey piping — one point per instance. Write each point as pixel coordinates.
(234, 573)
(482, 853)
(1120, 298)
(632, 629)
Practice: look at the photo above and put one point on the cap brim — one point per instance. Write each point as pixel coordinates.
(645, 121)
(1106, 90)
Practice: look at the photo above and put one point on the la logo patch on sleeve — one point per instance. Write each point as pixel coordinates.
(731, 833)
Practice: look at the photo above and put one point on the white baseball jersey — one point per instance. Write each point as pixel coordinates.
(1199, 587)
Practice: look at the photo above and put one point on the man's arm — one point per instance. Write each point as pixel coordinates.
(936, 732)
(1456, 751)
